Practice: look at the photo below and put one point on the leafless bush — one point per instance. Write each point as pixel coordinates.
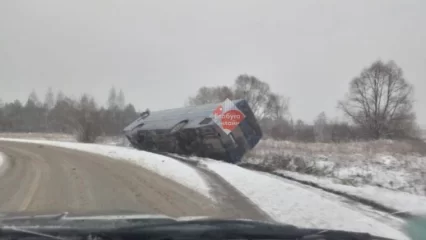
(391, 147)
(88, 133)
(281, 159)
(87, 120)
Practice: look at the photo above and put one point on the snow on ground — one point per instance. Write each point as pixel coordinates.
(396, 165)
(40, 136)
(403, 202)
(391, 173)
(281, 199)
(291, 204)
(164, 166)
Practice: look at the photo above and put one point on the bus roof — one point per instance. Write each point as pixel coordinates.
(166, 119)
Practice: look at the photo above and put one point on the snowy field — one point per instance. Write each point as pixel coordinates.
(392, 165)
(281, 199)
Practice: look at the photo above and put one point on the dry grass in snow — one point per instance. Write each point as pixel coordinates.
(388, 164)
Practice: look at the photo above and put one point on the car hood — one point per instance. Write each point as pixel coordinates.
(90, 219)
(117, 220)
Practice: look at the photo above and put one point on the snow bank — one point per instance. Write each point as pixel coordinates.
(39, 136)
(164, 166)
(403, 202)
(292, 204)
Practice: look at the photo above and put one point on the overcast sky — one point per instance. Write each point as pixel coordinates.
(161, 52)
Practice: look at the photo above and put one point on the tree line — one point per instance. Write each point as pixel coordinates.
(62, 114)
(379, 104)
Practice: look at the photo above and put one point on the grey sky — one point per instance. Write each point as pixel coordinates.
(160, 52)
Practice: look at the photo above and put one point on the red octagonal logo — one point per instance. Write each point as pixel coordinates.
(231, 119)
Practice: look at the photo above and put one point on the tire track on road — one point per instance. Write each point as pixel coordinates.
(59, 179)
(19, 182)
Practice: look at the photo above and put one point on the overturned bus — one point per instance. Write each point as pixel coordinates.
(224, 131)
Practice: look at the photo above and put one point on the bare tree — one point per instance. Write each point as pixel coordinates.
(120, 101)
(253, 90)
(63, 115)
(33, 99)
(343, 132)
(49, 103)
(207, 95)
(381, 101)
(33, 114)
(263, 102)
(282, 129)
(322, 129)
(112, 98)
(60, 96)
(129, 114)
(276, 107)
(303, 132)
(12, 117)
(49, 99)
(87, 118)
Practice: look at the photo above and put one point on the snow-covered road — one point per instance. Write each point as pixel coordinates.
(162, 165)
(281, 199)
(287, 202)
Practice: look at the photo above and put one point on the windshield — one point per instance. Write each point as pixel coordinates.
(308, 113)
